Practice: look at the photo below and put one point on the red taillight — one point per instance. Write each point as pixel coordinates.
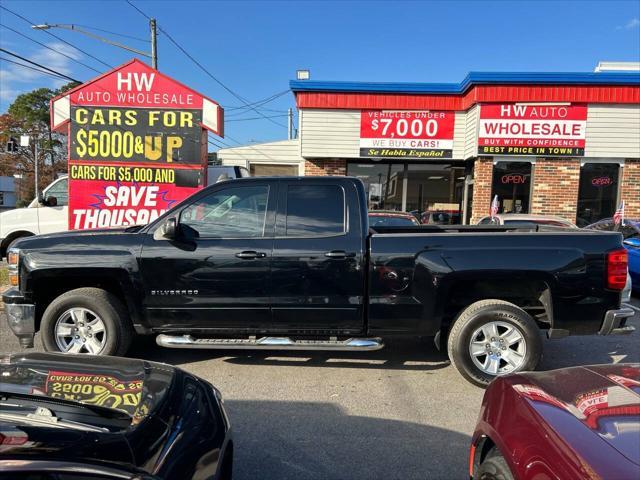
(617, 263)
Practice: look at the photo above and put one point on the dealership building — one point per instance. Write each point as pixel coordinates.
(564, 144)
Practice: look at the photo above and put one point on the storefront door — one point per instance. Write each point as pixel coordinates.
(598, 193)
(435, 192)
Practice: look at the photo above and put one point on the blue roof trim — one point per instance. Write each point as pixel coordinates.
(473, 78)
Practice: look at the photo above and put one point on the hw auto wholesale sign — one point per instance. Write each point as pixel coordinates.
(513, 129)
(406, 134)
(137, 145)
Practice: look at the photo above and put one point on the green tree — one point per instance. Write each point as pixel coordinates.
(29, 114)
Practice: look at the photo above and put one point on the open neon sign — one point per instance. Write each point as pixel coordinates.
(601, 181)
(514, 179)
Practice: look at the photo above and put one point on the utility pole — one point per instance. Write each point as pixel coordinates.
(154, 44)
(290, 124)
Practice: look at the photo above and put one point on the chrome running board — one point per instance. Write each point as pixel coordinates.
(268, 343)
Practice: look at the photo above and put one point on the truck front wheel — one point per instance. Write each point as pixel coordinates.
(491, 338)
(86, 320)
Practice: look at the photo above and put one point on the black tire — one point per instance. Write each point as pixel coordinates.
(118, 328)
(481, 313)
(494, 468)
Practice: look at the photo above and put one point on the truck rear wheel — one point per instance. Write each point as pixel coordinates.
(491, 338)
(86, 320)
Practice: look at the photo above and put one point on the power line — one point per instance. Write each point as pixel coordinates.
(55, 36)
(252, 148)
(139, 11)
(38, 65)
(115, 33)
(215, 144)
(55, 75)
(50, 48)
(259, 103)
(222, 142)
(207, 72)
(256, 118)
(216, 80)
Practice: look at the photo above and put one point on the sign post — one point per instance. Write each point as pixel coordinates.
(137, 143)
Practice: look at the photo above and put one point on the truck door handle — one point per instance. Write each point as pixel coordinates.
(249, 254)
(336, 254)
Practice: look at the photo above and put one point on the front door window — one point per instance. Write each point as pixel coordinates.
(237, 212)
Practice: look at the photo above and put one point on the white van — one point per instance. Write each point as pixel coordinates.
(47, 214)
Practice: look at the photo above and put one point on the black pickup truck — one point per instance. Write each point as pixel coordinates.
(291, 263)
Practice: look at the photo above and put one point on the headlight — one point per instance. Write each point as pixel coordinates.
(13, 259)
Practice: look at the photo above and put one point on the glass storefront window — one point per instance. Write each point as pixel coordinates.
(383, 183)
(512, 184)
(598, 192)
(435, 192)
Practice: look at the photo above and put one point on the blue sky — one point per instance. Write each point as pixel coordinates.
(254, 48)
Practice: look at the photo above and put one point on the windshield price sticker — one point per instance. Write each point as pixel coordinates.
(103, 390)
(406, 134)
(511, 129)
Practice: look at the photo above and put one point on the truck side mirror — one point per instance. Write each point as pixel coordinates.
(40, 197)
(170, 229)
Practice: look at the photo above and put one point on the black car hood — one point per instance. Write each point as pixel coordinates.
(133, 386)
(136, 387)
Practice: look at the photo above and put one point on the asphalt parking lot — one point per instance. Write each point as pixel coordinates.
(399, 413)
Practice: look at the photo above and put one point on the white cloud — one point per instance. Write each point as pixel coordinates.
(630, 25)
(17, 80)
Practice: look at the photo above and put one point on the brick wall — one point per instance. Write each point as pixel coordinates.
(482, 176)
(630, 188)
(325, 166)
(555, 187)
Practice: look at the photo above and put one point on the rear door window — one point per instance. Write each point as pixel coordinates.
(315, 211)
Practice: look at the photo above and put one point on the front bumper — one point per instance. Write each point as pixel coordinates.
(615, 322)
(21, 317)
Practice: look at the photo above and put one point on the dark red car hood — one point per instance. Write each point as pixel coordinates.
(604, 398)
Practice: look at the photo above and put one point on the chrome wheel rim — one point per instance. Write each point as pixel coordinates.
(79, 330)
(498, 348)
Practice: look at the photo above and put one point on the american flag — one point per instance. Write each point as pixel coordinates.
(618, 217)
(495, 205)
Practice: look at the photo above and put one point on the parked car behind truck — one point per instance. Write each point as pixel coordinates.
(630, 230)
(291, 263)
